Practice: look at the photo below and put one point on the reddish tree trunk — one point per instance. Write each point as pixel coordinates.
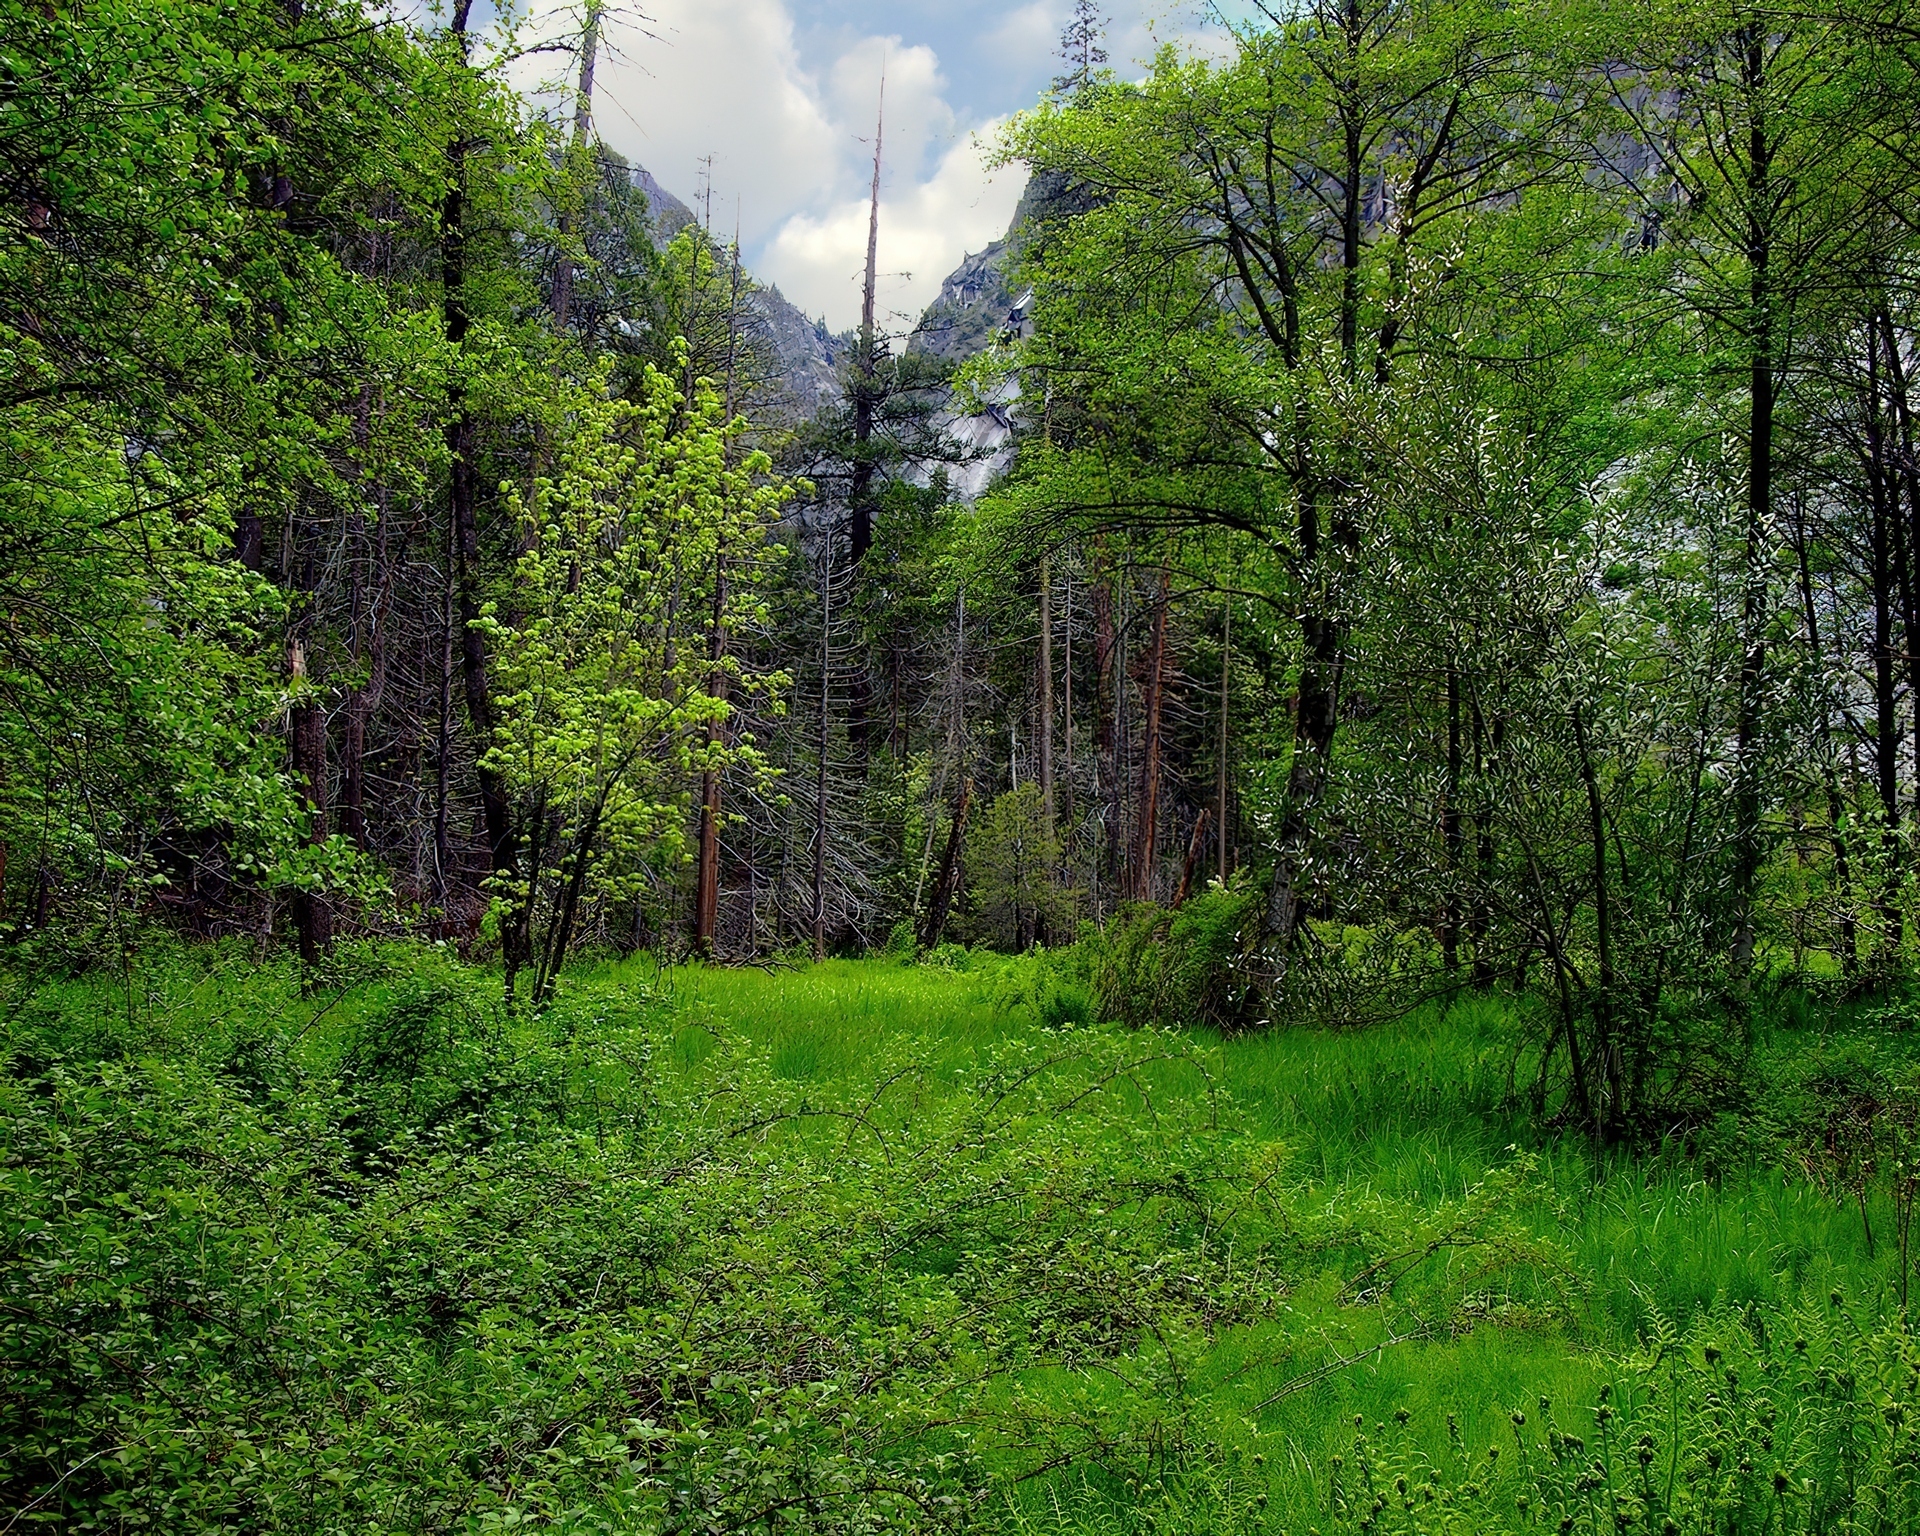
(1142, 882)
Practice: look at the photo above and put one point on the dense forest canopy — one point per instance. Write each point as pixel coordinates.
(1460, 522)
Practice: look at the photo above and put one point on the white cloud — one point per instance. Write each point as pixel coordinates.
(791, 146)
(1032, 31)
(925, 229)
(720, 78)
(792, 150)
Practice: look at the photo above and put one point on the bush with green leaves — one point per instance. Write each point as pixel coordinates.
(1186, 966)
(381, 1256)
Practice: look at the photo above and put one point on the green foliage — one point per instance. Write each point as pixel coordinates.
(604, 711)
(1152, 966)
(390, 1256)
(1013, 872)
(1794, 1422)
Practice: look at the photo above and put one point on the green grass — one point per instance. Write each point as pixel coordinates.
(1419, 1112)
(859, 1227)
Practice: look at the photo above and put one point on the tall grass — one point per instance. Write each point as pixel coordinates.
(1167, 1277)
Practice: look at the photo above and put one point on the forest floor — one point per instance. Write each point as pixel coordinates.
(890, 1236)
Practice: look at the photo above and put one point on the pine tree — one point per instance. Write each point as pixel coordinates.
(1080, 48)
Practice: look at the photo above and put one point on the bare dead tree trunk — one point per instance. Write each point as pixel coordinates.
(582, 135)
(1220, 787)
(820, 776)
(1886, 744)
(443, 756)
(312, 914)
(1762, 386)
(1451, 834)
(1829, 772)
(1045, 732)
(706, 902)
(1909, 477)
(860, 498)
(1066, 710)
(463, 488)
(866, 390)
(1107, 788)
(1194, 844)
(948, 881)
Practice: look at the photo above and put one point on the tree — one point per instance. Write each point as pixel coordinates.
(605, 702)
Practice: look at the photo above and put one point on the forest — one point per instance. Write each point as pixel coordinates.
(1262, 876)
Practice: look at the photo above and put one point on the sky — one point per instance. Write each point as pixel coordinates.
(782, 95)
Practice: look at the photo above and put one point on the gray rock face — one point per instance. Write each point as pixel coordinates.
(975, 306)
(971, 309)
(809, 355)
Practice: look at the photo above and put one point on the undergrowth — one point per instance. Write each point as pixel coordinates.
(866, 1247)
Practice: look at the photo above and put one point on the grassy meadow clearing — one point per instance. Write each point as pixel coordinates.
(874, 1246)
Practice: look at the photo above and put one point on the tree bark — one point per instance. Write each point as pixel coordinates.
(820, 776)
(1220, 787)
(948, 880)
(1045, 733)
(463, 446)
(1105, 764)
(1886, 745)
(563, 273)
(1836, 806)
(1760, 410)
(1142, 882)
(312, 914)
(1194, 844)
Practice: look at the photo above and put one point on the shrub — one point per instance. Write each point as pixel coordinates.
(1154, 966)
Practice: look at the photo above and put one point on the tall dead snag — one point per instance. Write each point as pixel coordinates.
(1220, 789)
(369, 609)
(867, 361)
(948, 881)
(820, 773)
(1452, 834)
(1107, 788)
(312, 916)
(1045, 732)
(1155, 690)
(1194, 844)
(462, 511)
(866, 395)
(572, 188)
(1066, 710)
(706, 896)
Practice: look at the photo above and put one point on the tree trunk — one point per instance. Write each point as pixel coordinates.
(1836, 806)
(1194, 844)
(1107, 788)
(462, 446)
(1607, 1113)
(1045, 733)
(1220, 787)
(563, 273)
(1753, 638)
(312, 914)
(1886, 745)
(1451, 835)
(706, 903)
(820, 777)
(1142, 882)
(948, 880)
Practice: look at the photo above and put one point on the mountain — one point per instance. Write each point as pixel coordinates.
(809, 355)
(975, 305)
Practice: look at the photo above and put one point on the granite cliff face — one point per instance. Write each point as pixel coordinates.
(975, 306)
(809, 355)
